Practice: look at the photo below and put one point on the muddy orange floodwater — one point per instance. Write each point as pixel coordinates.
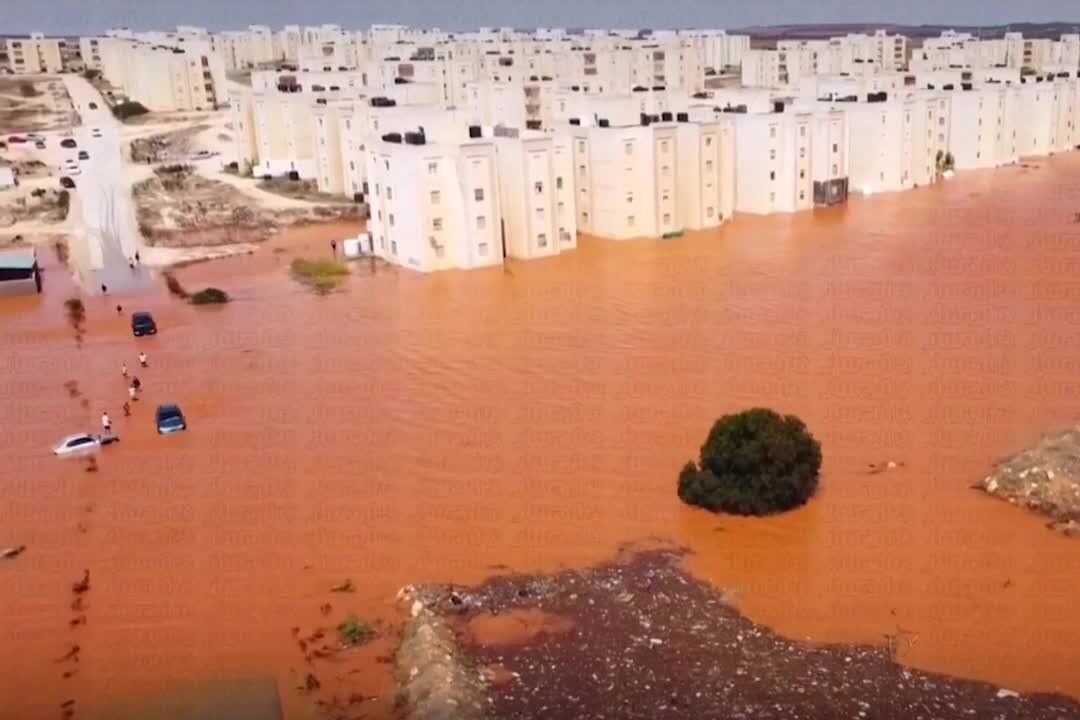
(417, 428)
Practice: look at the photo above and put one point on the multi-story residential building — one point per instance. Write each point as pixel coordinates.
(90, 51)
(895, 142)
(31, 55)
(274, 132)
(435, 205)
(791, 159)
(536, 193)
(652, 178)
(187, 75)
(987, 121)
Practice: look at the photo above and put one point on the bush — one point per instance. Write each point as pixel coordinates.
(354, 631)
(27, 89)
(210, 296)
(128, 109)
(756, 462)
(321, 275)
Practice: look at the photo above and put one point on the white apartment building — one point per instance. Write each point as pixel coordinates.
(987, 123)
(435, 206)
(791, 160)
(894, 143)
(1047, 116)
(653, 179)
(90, 50)
(32, 55)
(536, 193)
(274, 133)
(716, 49)
(165, 78)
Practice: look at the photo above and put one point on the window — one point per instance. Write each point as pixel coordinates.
(539, 187)
(541, 240)
(667, 218)
(708, 166)
(387, 164)
(663, 146)
(708, 141)
(772, 131)
(435, 197)
(481, 222)
(352, 165)
(772, 154)
(802, 174)
(709, 212)
(835, 170)
(564, 236)
(436, 224)
(581, 146)
(835, 148)
(478, 194)
(377, 194)
(772, 174)
(802, 131)
(558, 183)
(391, 219)
(802, 195)
(802, 152)
(629, 197)
(630, 221)
(389, 193)
(540, 214)
(439, 251)
(432, 168)
(393, 247)
(482, 248)
(629, 147)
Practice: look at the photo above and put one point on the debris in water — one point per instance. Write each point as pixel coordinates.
(346, 586)
(72, 654)
(83, 585)
(12, 552)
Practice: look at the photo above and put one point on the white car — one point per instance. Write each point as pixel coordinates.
(72, 169)
(82, 442)
(96, 132)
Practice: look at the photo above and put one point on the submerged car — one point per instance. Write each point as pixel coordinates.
(82, 442)
(83, 155)
(67, 183)
(142, 323)
(170, 419)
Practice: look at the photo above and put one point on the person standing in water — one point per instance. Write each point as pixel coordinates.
(136, 384)
(104, 289)
(106, 423)
(142, 359)
(123, 369)
(127, 409)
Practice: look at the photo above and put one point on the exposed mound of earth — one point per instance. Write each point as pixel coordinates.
(640, 638)
(1044, 478)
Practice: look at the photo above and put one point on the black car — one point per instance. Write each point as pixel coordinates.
(142, 323)
(67, 183)
(170, 419)
(93, 106)
(68, 143)
(83, 155)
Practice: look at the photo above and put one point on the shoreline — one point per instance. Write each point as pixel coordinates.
(639, 637)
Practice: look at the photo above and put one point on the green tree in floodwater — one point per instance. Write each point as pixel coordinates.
(755, 462)
(354, 631)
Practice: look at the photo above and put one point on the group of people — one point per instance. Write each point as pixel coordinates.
(134, 388)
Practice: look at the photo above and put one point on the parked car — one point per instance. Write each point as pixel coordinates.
(96, 132)
(93, 106)
(68, 143)
(40, 144)
(142, 323)
(72, 169)
(16, 139)
(83, 442)
(203, 155)
(67, 183)
(83, 155)
(170, 419)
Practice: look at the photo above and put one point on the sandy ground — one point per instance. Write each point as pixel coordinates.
(50, 109)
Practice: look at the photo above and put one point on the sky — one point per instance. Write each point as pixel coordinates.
(91, 16)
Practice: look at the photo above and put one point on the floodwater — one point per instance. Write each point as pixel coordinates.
(439, 428)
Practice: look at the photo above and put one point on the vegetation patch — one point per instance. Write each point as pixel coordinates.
(128, 109)
(756, 462)
(353, 631)
(321, 274)
(210, 296)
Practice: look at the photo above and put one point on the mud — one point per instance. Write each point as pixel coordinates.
(647, 640)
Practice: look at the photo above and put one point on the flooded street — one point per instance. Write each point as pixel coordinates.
(435, 428)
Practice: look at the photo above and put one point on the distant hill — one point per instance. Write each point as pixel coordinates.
(762, 34)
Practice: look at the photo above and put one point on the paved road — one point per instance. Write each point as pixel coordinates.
(107, 238)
